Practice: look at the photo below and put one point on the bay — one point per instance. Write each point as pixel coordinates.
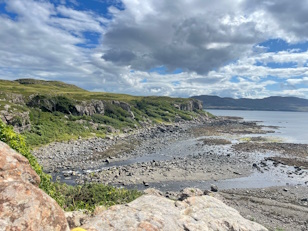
(293, 126)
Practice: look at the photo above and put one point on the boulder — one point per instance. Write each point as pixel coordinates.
(76, 218)
(214, 188)
(189, 192)
(23, 206)
(151, 212)
(15, 167)
(26, 207)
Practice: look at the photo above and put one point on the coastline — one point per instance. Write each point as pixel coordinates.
(193, 154)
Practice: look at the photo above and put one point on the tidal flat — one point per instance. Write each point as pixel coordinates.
(227, 152)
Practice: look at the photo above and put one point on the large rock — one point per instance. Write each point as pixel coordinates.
(15, 167)
(19, 120)
(90, 107)
(124, 106)
(26, 207)
(151, 212)
(190, 105)
(23, 206)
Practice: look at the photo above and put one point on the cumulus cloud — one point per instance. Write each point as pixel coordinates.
(303, 81)
(290, 17)
(214, 43)
(195, 35)
(40, 43)
(198, 35)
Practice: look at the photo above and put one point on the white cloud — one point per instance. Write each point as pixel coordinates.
(303, 81)
(213, 42)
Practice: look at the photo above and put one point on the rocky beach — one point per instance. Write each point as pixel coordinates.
(250, 169)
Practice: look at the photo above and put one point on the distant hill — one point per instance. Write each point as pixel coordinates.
(273, 103)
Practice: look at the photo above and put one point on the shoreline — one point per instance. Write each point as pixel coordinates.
(214, 150)
(220, 151)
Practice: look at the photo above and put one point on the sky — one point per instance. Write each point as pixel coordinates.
(238, 48)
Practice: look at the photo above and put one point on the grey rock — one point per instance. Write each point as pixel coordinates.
(214, 188)
(158, 213)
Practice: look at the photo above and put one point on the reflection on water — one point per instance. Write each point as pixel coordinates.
(293, 126)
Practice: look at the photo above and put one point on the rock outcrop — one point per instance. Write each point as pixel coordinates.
(90, 108)
(14, 98)
(191, 105)
(23, 206)
(151, 212)
(19, 120)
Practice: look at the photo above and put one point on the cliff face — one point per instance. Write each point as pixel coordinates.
(25, 207)
(190, 105)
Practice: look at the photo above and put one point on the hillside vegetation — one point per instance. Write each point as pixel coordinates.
(35, 112)
(47, 111)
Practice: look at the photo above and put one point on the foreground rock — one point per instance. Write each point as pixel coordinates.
(151, 212)
(23, 205)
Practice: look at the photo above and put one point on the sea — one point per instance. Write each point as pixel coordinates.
(292, 126)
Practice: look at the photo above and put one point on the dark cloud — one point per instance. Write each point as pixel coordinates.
(195, 35)
(291, 17)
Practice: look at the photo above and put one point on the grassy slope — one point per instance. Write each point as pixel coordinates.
(50, 126)
(60, 125)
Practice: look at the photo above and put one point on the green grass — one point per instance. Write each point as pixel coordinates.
(29, 87)
(54, 117)
(49, 127)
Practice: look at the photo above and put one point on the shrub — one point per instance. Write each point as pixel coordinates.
(48, 127)
(53, 103)
(88, 196)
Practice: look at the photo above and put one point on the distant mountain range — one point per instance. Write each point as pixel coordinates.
(273, 103)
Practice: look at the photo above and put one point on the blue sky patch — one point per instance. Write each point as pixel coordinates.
(234, 79)
(275, 65)
(162, 70)
(97, 6)
(7, 13)
(92, 39)
(276, 45)
(176, 83)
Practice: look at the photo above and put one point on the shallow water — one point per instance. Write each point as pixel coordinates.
(293, 126)
(273, 177)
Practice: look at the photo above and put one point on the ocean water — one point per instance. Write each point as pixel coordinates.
(293, 126)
